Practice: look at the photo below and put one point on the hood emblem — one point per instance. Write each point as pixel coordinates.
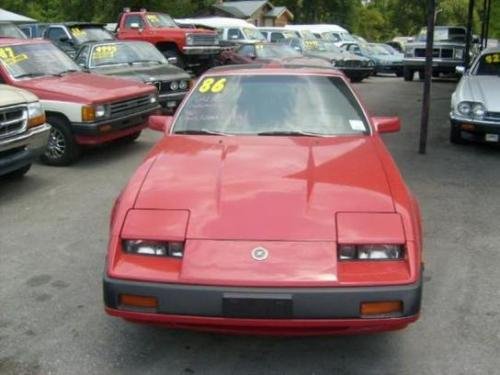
(260, 253)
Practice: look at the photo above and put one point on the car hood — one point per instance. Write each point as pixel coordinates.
(482, 89)
(265, 188)
(10, 95)
(164, 72)
(84, 88)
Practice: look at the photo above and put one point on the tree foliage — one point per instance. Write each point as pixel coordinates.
(373, 19)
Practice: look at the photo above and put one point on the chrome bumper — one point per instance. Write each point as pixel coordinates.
(201, 50)
(34, 139)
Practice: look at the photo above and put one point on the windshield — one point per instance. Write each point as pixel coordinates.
(454, 34)
(272, 104)
(378, 49)
(269, 51)
(489, 65)
(253, 34)
(332, 47)
(160, 20)
(125, 53)
(33, 60)
(8, 30)
(89, 34)
(346, 37)
(314, 45)
(390, 49)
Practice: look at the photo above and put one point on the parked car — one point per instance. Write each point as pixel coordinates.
(194, 49)
(448, 52)
(383, 61)
(9, 30)
(84, 109)
(33, 30)
(136, 60)
(276, 34)
(475, 104)
(295, 216)
(23, 130)
(263, 53)
(355, 67)
(332, 33)
(69, 36)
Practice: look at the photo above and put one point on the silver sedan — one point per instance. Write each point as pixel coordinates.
(475, 104)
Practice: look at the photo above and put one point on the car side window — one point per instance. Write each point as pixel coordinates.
(27, 31)
(247, 50)
(276, 37)
(234, 34)
(133, 20)
(56, 33)
(82, 57)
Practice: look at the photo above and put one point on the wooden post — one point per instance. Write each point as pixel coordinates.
(469, 33)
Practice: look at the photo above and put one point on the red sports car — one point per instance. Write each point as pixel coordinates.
(271, 206)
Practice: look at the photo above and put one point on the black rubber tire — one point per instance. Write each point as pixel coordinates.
(173, 53)
(18, 173)
(357, 79)
(62, 148)
(408, 74)
(130, 138)
(399, 73)
(456, 136)
(436, 74)
(421, 75)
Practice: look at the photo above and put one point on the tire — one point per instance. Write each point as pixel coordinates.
(356, 79)
(436, 74)
(408, 74)
(456, 136)
(130, 138)
(62, 148)
(18, 173)
(421, 75)
(173, 53)
(399, 73)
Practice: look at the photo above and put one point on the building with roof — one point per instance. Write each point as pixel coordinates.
(257, 12)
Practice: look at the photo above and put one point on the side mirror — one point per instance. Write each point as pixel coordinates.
(386, 124)
(460, 70)
(160, 123)
(172, 60)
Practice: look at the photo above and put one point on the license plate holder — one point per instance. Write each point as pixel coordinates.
(491, 137)
(258, 306)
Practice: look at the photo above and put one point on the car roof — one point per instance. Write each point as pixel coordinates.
(272, 68)
(75, 24)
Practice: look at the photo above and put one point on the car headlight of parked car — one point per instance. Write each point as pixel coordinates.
(371, 252)
(155, 248)
(189, 40)
(94, 112)
(153, 98)
(36, 114)
(458, 53)
(409, 52)
(471, 109)
(183, 85)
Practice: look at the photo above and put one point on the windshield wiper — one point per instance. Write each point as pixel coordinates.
(292, 133)
(66, 71)
(145, 61)
(24, 75)
(201, 132)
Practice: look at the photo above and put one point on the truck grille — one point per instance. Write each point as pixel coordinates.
(129, 106)
(492, 116)
(203, 40)
(352, 63)
(444, 53)
(13, 120)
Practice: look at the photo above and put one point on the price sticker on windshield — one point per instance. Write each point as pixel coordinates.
(311, 44)
(211, 85)
(105, 52)
(77, 32)
(9, 57)
(493, 58)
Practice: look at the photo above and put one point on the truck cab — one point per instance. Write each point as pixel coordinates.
(192, 48)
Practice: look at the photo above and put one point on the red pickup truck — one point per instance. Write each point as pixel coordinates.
(193, 48)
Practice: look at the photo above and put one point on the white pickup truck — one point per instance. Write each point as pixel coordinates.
(23, 130)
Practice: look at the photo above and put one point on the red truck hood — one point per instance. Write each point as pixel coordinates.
(85, 88)
(265, 188)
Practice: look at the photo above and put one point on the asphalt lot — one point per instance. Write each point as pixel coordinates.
(53, 233)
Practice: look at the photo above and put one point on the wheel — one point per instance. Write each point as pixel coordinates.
(408, 74)
(356, 79)
(18, 173)
(62, 148)
(169, 53)
(436, 74)
(456, 136)
(130, 138)
(399, 73)
(421, 75)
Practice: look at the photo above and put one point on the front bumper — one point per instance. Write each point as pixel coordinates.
(356, 71)
(172, 100)
(19, 151)
(389, 68)
(106, 130)
(438, 64)
(476, 130)
(201, 50)
(234, 309)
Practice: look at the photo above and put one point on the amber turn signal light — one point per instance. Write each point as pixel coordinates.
(138, 301)
(36, 121)
(381, 308)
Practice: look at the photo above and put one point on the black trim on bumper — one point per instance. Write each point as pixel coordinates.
(16, 160)
(479, 132)
(304, 303)
(121, 123)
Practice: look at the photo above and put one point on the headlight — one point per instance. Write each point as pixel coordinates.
(370, 252)
(153, 98)
(174, 85)
(459, 54)
(409, 52)
(100, 111)
(335, 63)
(93, 112)
(155, 248)
(216, 40)
(36, 114)
(183, 85)
(471, 109)
(189, 40)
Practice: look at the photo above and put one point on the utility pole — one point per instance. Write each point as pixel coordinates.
(426, 102)
(469, 33)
